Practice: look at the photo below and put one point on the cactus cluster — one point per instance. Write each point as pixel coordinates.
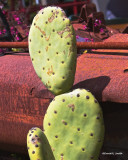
(73, 123)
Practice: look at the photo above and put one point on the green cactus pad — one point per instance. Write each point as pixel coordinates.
(38, 145)
(52, 47)
(74, 126)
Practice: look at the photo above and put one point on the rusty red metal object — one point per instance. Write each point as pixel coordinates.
(80, 45)
(102, 45)
(13, 44)
(105, 75)
(105, 72)
(24, 99)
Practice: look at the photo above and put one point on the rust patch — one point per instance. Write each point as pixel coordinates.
(70, 50)
(50, 71)
(35, 140)
(62, 158)
(47, 38)
(67, 29)
(64, 122)
(51, 18)
(37, 17)
(46, 48)
(41, 30)
(69, 35)
(72, 106)
(60, 32)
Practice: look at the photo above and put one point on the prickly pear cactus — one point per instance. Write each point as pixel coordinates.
(38, 145)
(52, 47)
(74, 126)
